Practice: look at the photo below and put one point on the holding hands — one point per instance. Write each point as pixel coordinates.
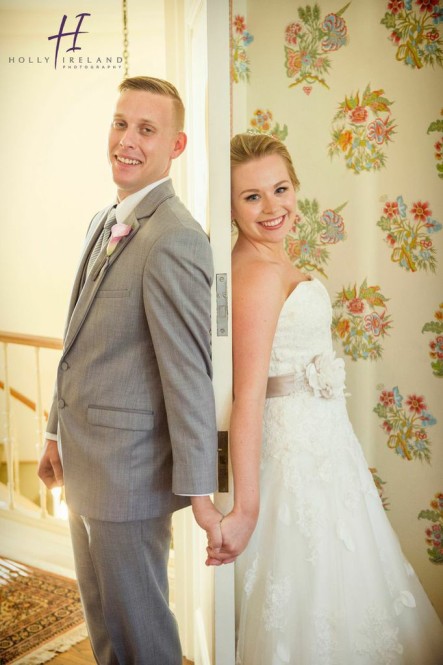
(227, 536)
(236, 530)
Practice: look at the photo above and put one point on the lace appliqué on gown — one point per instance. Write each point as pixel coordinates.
(327, 641)
(250, 577)
(277, 594)
(379, 639)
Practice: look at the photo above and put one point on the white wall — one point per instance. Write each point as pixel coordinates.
(54, 173)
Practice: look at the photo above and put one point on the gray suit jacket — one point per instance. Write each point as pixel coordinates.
(134, 407)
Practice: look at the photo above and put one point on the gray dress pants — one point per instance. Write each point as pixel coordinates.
(122, 574)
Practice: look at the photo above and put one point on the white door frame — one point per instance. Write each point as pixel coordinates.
(219, 212)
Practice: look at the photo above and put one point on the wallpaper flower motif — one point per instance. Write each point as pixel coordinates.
(437, 126)
(408, 236)
(405, 424)
(381, 490)
(240, 40)
(307, 242)
(434, 533)
(261, 123)
(309, 43)
(415, 32)
(361, 129)
(436, 345)
(361, 321)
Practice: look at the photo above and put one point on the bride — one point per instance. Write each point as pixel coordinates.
(321, 577)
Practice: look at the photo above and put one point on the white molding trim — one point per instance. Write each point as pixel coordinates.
(192, 10)
(201, 646)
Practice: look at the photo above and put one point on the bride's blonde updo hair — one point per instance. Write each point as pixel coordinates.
(246, 147)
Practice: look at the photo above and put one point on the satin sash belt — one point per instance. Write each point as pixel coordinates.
(279, 386)
(324, 376)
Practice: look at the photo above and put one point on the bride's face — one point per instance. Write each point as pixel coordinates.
(263, 199)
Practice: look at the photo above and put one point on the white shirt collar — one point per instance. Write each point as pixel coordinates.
(125, 207)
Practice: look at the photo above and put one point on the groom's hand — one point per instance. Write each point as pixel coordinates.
(208, 518)
(50, 468)
(236, 530)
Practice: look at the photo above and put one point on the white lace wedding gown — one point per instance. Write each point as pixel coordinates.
(323, 580)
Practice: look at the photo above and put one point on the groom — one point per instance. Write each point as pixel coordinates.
(133, 411)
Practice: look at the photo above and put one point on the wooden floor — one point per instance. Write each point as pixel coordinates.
(77, 655)
(81, 653)
(52, 551)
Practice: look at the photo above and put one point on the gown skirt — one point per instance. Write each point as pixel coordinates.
(323, 580)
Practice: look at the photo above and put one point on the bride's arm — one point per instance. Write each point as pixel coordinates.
(256, 300)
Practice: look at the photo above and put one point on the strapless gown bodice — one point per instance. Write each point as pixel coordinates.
(303, 329)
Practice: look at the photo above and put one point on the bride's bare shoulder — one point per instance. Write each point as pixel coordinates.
(247, 267)
(255, 279)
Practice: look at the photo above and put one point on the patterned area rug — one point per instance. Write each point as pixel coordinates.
(40, 614)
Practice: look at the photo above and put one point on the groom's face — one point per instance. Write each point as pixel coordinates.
(143, 140)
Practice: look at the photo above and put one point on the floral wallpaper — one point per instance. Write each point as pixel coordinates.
(355, 91)
(434, 533)
(240, 40)
(437, 126)
(381, 490)
(309, 42)
(409, 234)
(313, 233)
(406, 424)
(263, 123)
(436, 344)
(413, 31)
(361, 321)
(361, 130)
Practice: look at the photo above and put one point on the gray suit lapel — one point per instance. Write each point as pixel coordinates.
(151, 202)
(92, 284)
(94, 231)
(82, 298)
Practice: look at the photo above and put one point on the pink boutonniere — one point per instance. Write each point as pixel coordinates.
(118, 231)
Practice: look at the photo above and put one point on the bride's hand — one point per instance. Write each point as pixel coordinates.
(236, 530)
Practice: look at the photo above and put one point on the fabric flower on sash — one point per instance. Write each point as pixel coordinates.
(118, 231)
(326, 375)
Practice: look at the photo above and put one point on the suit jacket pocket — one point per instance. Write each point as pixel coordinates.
(135, 420)
(113, 293)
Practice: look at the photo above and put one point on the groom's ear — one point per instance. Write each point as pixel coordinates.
(180, 144)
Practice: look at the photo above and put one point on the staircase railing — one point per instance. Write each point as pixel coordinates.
(38, 343)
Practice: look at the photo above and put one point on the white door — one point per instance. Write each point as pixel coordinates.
(219, 210)
(204, 598)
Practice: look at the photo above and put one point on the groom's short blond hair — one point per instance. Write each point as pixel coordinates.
(157, 87)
